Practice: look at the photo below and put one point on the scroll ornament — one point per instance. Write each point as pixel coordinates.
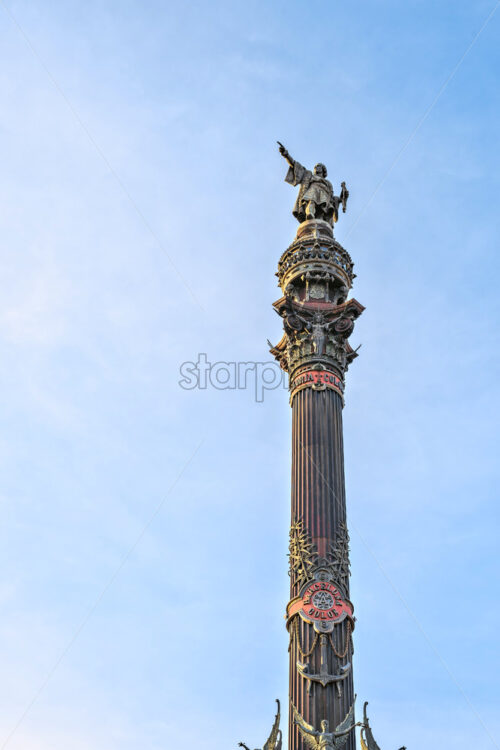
(274, 741)
(366, 735)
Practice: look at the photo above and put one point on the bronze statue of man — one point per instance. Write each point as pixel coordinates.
(316, 199)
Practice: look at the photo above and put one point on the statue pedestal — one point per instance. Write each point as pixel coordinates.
(315, 227)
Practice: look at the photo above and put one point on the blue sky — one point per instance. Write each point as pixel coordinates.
(143, 572)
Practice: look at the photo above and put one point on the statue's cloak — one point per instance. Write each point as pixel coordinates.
(312, 188)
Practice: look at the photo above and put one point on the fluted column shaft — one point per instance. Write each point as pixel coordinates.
(318, 498)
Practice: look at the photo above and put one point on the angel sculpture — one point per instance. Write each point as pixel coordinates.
(274, 740)
(325, 740)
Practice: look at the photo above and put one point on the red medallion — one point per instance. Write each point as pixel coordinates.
(321, 604)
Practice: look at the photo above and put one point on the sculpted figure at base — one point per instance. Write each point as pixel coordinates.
(316, 199)
(324, 739)
(274, 741)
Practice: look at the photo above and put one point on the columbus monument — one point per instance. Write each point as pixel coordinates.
(315, 275)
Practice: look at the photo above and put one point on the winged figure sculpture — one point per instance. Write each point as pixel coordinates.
(274, 741)
(324, 739)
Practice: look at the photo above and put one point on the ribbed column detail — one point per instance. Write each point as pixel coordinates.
(318, 498)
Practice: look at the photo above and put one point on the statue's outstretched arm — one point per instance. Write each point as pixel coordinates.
(242, 744)
(284, 153)
(346, 731)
